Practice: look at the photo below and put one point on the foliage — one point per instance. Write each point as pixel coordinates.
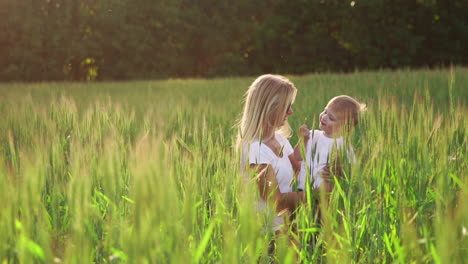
(143, 39)
(145, 172)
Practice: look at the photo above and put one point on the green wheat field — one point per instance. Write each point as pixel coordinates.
(146, 172)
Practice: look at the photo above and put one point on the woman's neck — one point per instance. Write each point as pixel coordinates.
(266, 138)
(274, 145)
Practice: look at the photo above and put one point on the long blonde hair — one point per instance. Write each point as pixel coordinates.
(266, 103)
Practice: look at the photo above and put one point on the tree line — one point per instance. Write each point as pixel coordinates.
(54, 40)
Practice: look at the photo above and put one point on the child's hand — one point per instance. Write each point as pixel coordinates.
(304, 133)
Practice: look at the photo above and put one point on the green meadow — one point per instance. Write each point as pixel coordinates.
(146, 172)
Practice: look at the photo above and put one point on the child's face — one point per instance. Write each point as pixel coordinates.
(331, 122)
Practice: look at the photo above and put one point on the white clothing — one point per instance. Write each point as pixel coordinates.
(259, 153)
(317, 150)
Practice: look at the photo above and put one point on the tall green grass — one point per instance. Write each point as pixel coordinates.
(145, 172)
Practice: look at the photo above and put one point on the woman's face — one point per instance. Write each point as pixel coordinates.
(289, 112)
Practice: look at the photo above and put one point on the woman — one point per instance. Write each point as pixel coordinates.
(265, 151)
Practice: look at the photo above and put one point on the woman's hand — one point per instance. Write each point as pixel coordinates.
(329, 174)
(328, 177)
(327, 184)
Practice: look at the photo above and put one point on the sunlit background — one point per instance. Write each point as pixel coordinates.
(147, 39)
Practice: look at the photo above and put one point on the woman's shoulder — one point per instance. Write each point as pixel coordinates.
(258, 153)
(256, 146)
(280, 137)
(253, 144)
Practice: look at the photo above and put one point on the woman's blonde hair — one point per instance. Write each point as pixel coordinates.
(266, 102)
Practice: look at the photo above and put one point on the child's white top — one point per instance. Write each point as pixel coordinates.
(258, 152)
(318, 149)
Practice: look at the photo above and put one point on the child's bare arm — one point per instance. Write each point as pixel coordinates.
(304, 135)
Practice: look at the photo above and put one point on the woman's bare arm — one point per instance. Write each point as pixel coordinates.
(296, 164)
(269, 190)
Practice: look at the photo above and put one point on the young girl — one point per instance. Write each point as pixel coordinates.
(341, 113)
